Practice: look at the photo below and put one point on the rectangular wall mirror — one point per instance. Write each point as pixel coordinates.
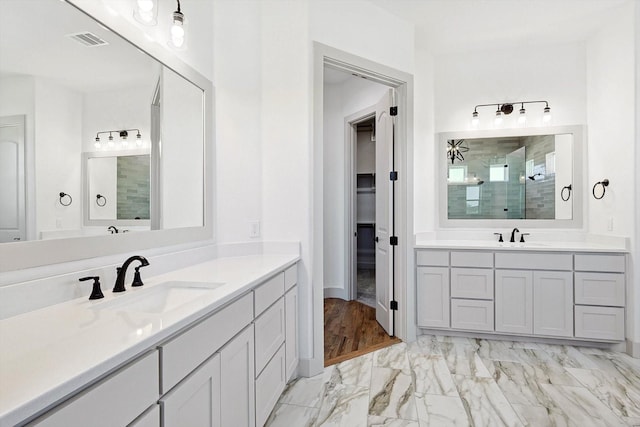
(78, 105)
(523, 175)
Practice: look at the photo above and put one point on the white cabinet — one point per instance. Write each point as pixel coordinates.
(196, 400)
(132, 389)
(237, 381)
(473, 283)
(433, 296)
(270, 334)
(605, 323)
(291, 331)
(514, 301)
(534, 302)
(151, 418)
(553, 303)
(469, 314)
(270, 385)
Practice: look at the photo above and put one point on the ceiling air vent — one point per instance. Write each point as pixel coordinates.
(88, 39)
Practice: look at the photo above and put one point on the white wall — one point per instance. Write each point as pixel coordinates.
(57, 156)
(103, 175)
(340, 101)
(611, 103)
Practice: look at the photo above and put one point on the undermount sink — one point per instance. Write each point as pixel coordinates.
(161, 298)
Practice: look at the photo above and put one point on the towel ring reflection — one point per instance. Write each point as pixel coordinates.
(568, 188)
(101, 197)
(62, 196)
(604, 183)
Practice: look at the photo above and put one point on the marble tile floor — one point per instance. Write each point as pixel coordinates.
(455, 381)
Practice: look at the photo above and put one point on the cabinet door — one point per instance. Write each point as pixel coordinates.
(291, 331)
(196, 400)
(433, 296)
(151, 418)
(553, 303)
(237, 381)
(514, 301)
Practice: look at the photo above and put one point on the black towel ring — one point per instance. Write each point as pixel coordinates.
(98, 198)
(568, 188)
(62, 196)
(604, 183)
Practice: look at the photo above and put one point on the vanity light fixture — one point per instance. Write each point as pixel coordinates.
(176, 38)
(146, 12)
(124, 134)
(507, 108)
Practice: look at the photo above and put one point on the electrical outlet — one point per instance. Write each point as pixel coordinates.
(254, 229)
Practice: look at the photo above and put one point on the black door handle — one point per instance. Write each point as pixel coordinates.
(377, 239)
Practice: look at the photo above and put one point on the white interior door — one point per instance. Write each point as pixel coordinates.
(384, 212)
(12, 190)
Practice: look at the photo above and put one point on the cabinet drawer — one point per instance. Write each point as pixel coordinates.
(472, 259)
(604, 263)
(472, 283)
(535, 261)
(132, 389)
(291, 331)
(604, 323)
(290, 277)
(184, 353)
(269, 386)
(435, 258)
(474, 315)
(599, 289)
(270, 334)
(268, 293)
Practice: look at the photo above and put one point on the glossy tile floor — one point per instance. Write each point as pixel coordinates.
(451, 381)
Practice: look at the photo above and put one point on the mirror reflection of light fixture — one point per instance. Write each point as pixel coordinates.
(146, 12)
(507, 108)
(177, 35)
(124, 134)
(455, 148)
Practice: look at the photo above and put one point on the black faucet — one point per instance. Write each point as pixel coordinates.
(112, 229)
(122, 272)
(513, 235)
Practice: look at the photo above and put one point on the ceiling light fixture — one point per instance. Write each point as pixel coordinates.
(124, 134)
(177, 36)
(455, 148)
(146, 12)
(507, 108)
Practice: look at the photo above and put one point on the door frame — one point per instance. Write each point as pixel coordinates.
(404, 260)
(351, 137)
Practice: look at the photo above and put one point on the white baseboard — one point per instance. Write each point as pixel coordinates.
(335, 293)
(633, 349)
(310, 367)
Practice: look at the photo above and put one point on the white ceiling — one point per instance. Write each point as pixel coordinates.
(33, 42)
(452, 26)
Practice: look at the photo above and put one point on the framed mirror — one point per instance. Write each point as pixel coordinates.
(81, 87)
(517, 176)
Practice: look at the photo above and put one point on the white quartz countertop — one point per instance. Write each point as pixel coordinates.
(547, 246)
(47, 354)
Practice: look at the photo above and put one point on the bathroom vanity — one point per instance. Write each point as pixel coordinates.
(572, 291)
(213, 344)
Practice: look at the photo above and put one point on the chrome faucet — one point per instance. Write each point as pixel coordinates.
(122, 272)
(513, 235)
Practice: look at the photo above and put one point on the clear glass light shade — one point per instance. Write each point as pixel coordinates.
(475, 120)
(177, 36)
(522, 117)
(96, 143)
(146, 12)
(546, 116)
(498, 119)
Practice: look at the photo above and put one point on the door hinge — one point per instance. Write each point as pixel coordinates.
(393, 176)
(393, 240)
(393, 111)
(393, 305)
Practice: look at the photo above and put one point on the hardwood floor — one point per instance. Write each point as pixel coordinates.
(351, 330)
